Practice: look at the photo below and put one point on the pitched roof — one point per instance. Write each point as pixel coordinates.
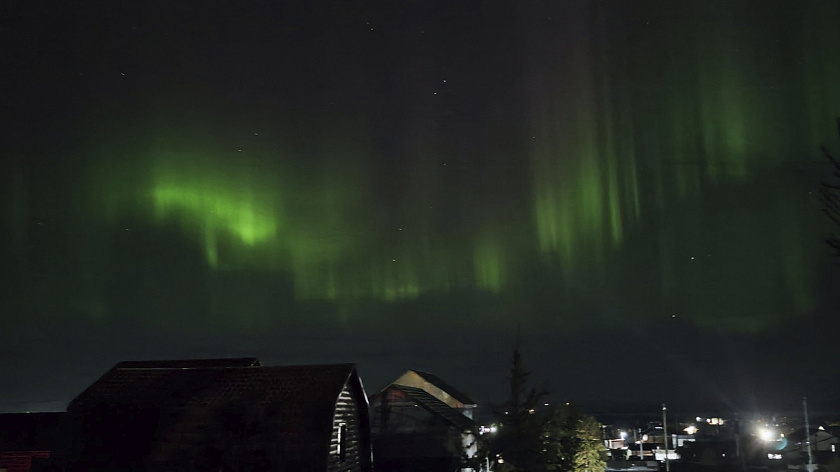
(178, 412)
(432, 404)
(214, 386)
(452, 391)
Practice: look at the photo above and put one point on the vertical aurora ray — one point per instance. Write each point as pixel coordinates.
(489, 266)
(641, 139)
(819, 57)
(649, 145)
(584, 182)
(722, 58)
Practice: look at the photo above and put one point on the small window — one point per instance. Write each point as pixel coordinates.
(342, 441)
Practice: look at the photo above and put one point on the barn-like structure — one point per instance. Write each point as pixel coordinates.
(419, 423)
(219, 415)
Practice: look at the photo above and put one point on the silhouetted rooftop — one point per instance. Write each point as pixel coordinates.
(427, 401)
(181, 411)
(452, 391)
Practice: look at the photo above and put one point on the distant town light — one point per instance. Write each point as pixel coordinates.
(492, 429)
(691, 429)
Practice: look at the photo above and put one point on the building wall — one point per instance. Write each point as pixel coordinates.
(409, 438)
(820, 441)
(346, 441)
(20, 461)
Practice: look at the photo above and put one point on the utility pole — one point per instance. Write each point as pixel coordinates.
(665, 436)
(641, 446)
(811, 467)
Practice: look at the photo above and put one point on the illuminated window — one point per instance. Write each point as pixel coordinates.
(342, 441)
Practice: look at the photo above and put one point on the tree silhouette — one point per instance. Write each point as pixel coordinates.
(520, 440)
(830, 197)
(533, 437)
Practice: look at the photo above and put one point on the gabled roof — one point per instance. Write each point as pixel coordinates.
(436, 382)
(437, 407)
(180, 410)
(215, 386)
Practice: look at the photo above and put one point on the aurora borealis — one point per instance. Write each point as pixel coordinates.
(393, 172)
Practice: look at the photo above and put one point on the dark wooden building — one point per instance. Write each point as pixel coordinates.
(440, 389)
(423, 426)
(28, 439)
(219, 415)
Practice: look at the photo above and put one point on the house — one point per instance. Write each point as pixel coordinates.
(824, 449)
(820, 439)
(421, 423)
(219, 415)
(435, 386)
(28, 439)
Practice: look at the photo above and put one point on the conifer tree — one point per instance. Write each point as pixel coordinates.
(520, 439)
(830, 197)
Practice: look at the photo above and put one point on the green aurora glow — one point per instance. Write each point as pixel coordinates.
(650, 182)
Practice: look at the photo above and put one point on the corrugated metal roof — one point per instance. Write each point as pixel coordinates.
(452, 391)
(429, 402)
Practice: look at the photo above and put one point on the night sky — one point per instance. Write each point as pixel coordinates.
(633, 186)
